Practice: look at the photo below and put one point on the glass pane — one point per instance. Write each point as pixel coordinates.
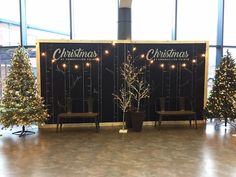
(197, 20)
(9, 23)
(212, 62)
(152, 19)
(33, 34)
(211, 67)
(33, 61)
(95, 20)
(47, 20)
(229, 26)
(5, 57)
(9, 10)
(231, 50)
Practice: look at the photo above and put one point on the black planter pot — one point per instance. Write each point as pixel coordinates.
(128, 120)
(137, 121)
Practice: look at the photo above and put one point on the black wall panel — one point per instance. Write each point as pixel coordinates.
(72, 72)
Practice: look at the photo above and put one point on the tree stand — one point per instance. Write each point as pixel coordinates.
(23, 132)
(226, 121)
(123, 130)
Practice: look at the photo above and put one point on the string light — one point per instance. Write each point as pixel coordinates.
(142, 55)
(134, 49)
(184, 65)
(194, 61)
(53, 60)
(162, 65)
(106, 52)
(113, 43)
(87, 64)
(97, 59)
(203, 55)
(64, 65)
(151, 61)
(43, 54)
(172, 66)
(76, 66)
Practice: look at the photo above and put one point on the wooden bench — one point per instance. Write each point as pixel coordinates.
(162, 114)
(65, 115)
(181, 112)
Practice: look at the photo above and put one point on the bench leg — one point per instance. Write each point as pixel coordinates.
(195, 117)
(57, 124)
(57, 127)
(159, 122)
(61, 126)
(97, 124)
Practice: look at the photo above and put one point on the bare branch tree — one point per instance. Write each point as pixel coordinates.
(130, 75)
(140, 90)
(124, 100)
(133, 86)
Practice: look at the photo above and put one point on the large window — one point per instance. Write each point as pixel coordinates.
(211, 67)
(95, 20)
(197, 20)
(232, 51)
(152, 19)
(9, 23)
(47, 19)
(212, 62)
(229, 23)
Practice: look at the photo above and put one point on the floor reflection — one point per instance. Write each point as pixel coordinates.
(174, 151)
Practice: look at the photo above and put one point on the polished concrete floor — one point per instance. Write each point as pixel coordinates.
(174, 151)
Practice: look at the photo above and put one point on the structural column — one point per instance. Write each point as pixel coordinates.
(220, 31)
(124, 20)
(23, 24)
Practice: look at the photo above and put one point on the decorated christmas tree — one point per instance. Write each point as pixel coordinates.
(221, 101)
(21, 100)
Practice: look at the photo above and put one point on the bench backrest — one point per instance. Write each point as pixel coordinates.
(180, 104)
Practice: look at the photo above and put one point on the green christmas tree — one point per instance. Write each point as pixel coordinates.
(221, 101)
(21, 100)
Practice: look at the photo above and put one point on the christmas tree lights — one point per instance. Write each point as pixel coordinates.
(221, 101)
(21, 100)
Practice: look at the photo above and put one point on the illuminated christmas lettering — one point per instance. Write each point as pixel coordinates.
(155, 54)
(73, 53)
